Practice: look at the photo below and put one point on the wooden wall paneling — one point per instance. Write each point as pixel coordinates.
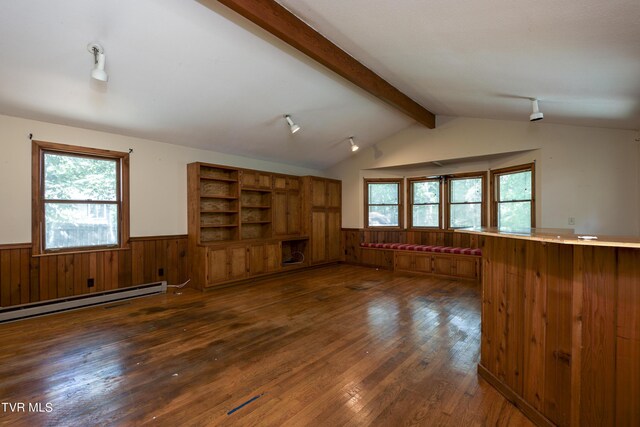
(115, 270)
(576, 333)
(535, 312)
(25, 276)
(125, 268)
(84, 273)
(597, 389)
(109, 281)
(172, 267)
(137, 262)
(5, 278)
(334, 235)
(99, 278)
(15, 276)
(149, 257)
(158, 260)
(67, 271)
(487, 341)
(501, 327)
(50, 279)
(557, 399)
(515, 273)
(183, 261)
(628, 339)
(318, 231)
(352, 249)
(34, 275)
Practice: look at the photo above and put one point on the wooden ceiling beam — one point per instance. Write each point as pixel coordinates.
(275, 19)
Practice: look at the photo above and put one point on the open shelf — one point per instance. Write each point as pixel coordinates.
(295, 253)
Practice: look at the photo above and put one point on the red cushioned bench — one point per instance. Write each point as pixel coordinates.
(430, 259)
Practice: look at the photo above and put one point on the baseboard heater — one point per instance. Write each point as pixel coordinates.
(16, 312)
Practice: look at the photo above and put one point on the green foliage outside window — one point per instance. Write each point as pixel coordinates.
(80, 201)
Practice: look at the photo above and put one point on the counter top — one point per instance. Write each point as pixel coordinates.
(557, 235)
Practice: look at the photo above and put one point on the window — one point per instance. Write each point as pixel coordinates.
(512, 197)
(80, 198)
(383, 203)
(425, 202)
(466, 202)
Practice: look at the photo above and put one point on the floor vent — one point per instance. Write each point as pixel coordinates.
(8, 314)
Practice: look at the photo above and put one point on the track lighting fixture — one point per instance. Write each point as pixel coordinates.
(98, 72)
(536, 114)
(292, 126)
(354, 147)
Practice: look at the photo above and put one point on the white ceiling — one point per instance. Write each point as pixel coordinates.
(184, 74)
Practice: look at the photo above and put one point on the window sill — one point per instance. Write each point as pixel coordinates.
(76, 252)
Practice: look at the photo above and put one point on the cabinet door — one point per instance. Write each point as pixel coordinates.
(466, 267)
(294, 213)
(272, 257)
(334, 196)
(318, 237)
(334, 236)
(404, 261)
(257, 263)
(318, 193)
(216, 266)
(279, 182)
(442, 265)
(280, 209)
(422, 263)
(238, 262)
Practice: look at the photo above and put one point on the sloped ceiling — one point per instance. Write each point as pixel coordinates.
(186, 74)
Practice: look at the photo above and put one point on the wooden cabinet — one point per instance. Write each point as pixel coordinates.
(407, 261)
(255, 215)
(213, 203)
(255, 179)
(450, 265)
(237, 262)
(245, 223)
(226, 264)
(287, 206)
(324, 218)
(264, 258)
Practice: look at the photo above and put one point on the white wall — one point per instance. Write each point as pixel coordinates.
(590, 174)
(158, 174)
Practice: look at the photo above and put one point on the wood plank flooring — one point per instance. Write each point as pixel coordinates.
(339, 345)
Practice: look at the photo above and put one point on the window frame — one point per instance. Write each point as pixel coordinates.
(411, 204)
(483, 202)
(401, 213)
(495, 188)
(39, 149)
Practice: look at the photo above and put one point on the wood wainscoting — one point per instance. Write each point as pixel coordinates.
(354, 254)
(25, 278)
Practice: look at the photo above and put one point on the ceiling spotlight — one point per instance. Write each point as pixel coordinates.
(536, 114)
(292, 126)
(354, 147)
(98, 72)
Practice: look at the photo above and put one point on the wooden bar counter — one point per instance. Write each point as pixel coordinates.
(561, 325)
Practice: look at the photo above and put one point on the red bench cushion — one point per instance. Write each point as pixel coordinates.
(423, 248)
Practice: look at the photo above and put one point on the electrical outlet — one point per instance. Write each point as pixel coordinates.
(572, 221)
(90, 282)
(161, 272)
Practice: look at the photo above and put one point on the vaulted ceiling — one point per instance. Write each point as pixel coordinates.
(202, 76)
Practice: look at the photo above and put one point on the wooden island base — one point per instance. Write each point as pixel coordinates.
(561, 327)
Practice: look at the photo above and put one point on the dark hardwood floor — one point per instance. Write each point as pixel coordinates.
(340, 345)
